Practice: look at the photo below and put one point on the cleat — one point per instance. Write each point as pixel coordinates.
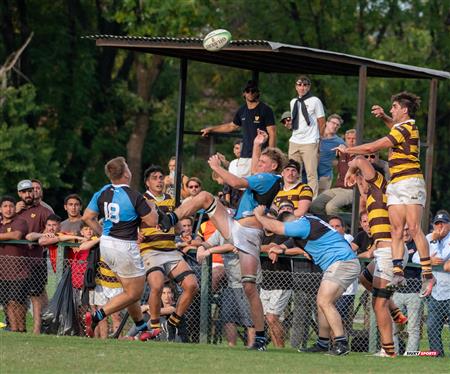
(398, 281)
(172, 332)
(427, 286)
(90, 325)
(314, 349)
(339, 349)
(382, 353)
(149, 335)
(259, 345)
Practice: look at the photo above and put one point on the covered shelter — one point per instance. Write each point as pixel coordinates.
(261, 56)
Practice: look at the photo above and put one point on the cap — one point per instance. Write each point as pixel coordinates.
(251, 85)
(441, 217)
(24, 185)
(286, 204)
(285, 115)
(292, 164)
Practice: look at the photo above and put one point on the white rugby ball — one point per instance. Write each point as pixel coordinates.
(216, 40)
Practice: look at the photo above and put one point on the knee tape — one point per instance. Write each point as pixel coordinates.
(248, 279)
(155, 268)
(381, 293)
(212, 208)
(180, 277)
(366, 274)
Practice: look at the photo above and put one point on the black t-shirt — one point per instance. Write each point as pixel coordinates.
(250, 120)
(412, 274)
(363, 241)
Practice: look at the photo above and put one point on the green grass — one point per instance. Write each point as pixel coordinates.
(25, 353)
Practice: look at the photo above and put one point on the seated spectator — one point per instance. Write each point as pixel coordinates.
(13, 266)
(194, 187)
(439, 300)
(184, 238)
(73, 223)
(331, 202)
(363, 242)
(169, 180)
(327, 154)
(408, 300)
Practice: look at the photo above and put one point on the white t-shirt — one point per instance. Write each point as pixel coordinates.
(307, 134)
(240, 167)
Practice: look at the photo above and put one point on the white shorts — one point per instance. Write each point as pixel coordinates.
(167, 261)
(101, 295)
(275, 301)
(409, 191)
(245, 239)
(122, 256)
(383, 263)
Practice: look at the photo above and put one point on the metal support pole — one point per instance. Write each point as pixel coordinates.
(431, 137)
(359, 137)
(180, 128)
(255, 76)
(205, 305)
(59, 262)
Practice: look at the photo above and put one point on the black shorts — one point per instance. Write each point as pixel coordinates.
(13, 290)
(38, 276)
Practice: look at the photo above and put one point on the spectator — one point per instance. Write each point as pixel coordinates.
(184, 236)
(327, 158)
(439, 300)
(331, 201)
(363, 241)
(39, 194)
(286, 120)
(194, 187)
(308, 124)
(254, 115)
(169, 180)
(13, 266)
(408, 300)
(294, 190)
(73, 223)
(36, 216)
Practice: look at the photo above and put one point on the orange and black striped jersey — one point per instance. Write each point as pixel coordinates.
(377, 212)
(404, 155)
(155, 239)
(105, 276)
(299, 192)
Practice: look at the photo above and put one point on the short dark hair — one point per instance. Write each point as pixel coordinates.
(36, 181)
(7, 198)
(194, 179)
(72, 196)
(152, 169)
(237, 141)
(409, 101)
(338, 218)
(54, 217)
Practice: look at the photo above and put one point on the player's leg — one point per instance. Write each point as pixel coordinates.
(155, 280)
(397, 218)
(414, 219)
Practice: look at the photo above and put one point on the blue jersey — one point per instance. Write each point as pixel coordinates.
(258, 184)
(121, 208)
(323, 243)
(327, 155)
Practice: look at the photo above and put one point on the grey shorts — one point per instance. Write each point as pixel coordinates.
(235, 307)
(167, 261)
(343, 273)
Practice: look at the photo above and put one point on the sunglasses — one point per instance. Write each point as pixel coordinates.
(193, 186)
(370, 156)
(286, 119)
(251, 90)
(302, 83)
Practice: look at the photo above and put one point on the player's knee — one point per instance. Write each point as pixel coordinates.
(271, 318)
(206, 197)
(414, 230)
(190, 285)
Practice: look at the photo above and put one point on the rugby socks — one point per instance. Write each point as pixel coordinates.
(155, 324)
(260, 337)
(174, 319)
(397, 315)
(172, 217)
(398, 267)
(141, 325)
(388, 348)
(425, 263)
(341, 339)
(323, 342)
(98, 315)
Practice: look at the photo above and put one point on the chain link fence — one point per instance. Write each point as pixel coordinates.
(29, 287)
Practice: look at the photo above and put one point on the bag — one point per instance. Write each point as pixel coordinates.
(91, 269)
(61, 315)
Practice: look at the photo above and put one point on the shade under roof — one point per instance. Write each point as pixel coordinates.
(266, 56)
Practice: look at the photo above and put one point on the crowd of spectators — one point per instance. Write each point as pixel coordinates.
(287, 288)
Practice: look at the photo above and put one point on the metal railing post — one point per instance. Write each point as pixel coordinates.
(205, 305)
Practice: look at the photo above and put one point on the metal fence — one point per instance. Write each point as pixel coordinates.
(222, 316)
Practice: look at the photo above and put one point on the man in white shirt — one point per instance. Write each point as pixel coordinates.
(308, 123)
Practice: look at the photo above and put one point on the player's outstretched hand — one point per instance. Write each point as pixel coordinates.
(340, 149)
(259, 210)
(261, 137)
(377, 111)
(214, 162)
(205, 131)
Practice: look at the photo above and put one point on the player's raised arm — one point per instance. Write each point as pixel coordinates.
(270, 224)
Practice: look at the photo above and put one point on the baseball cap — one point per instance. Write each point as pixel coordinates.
(441, 217)
(285, 115)
(24, 185)
(251, 85)
(292, 164)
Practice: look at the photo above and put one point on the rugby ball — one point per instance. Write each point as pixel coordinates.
(216, 40)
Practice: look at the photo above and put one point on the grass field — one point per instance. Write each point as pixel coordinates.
(25, 353)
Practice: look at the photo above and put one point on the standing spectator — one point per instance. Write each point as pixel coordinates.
(363, 241)
(286, 120)
(13, 266)
(308, 123)
(331, 201)
(36, 216)
(254, 115)
(439, 300)
(238, 167)
(327, 158)
(123, 209)
(169, 180)
(73, 223)
(405, 192)
(39, 194)
(408, 300)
